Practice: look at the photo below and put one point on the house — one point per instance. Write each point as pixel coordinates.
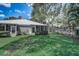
(22, 26)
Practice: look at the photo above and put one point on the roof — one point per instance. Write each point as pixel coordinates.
(21, 22)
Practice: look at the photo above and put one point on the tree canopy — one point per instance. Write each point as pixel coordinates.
(66, 14)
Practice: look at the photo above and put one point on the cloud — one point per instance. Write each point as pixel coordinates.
(10, 10)
(2, 15)
(28, 14)
(18, 11)
(6, 4)
(29, 4)
(23, 11)
(1, 11)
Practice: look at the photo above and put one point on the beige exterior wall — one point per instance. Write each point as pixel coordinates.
(26, 30)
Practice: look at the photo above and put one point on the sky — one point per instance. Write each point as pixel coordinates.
(15, 9)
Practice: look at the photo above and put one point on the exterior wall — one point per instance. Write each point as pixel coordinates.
(26, 30)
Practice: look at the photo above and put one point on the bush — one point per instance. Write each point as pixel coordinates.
(42, 33)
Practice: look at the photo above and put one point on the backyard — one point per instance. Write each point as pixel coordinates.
(39, 45)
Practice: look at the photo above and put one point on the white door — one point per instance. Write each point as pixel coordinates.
(13, 32)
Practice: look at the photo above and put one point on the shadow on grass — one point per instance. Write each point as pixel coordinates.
(4, 36)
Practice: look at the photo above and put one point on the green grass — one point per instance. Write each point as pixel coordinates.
(41, 45)
(6, 40)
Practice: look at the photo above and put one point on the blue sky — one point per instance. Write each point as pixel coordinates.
(15, 9)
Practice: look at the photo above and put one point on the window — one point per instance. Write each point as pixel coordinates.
(7, 27)
(33, 29)
(42, 28)
(37, 29)
(1, 27)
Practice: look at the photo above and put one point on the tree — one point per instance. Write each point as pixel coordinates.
(72, 13)
(66, 15)
(20, 17)
(46, 13)
(12, 17)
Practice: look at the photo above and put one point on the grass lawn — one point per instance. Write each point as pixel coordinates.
(7, 40)
(41, 45)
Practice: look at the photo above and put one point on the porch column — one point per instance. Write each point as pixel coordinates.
(5, 27)
(10, 29)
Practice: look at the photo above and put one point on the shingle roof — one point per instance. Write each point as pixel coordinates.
(20, 22)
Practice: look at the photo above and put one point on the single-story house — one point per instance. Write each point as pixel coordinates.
(22, 26)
